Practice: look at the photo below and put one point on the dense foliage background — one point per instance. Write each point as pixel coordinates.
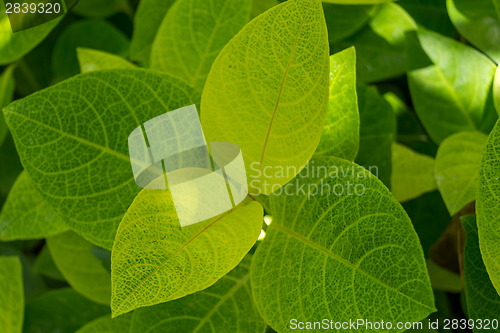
(405, 89)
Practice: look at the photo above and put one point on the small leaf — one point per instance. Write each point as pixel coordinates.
(479, 23)
(457, 168)
(380, 45)
(340, 135)
(147, 20)
(86, 152)
(496, 90)
(340, 246)
(443, 279)
(44, 265)
(154, 260)
(107, 324)
(99, 35)
(14, 46)
(192, 35)
(445, 103)
(26, 215)
(227, 306)
(343, 20)
(85, 273)
(412, 173)
(94, 60)
(483, 301)
(6, 94)
(376, 133)
(11, 295)
(61, 310)
(268, 92)
(488, 207)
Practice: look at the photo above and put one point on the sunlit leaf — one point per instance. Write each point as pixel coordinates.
(268, 92)
(11, 295)
(154, 260)
(84, 172)
(339, 252)
(93, 60)
(6, 93)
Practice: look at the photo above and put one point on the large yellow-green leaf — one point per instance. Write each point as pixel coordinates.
(154, 260)
(488, 207)
(444, 101)
(479, 23)
(225, 307)
(84, 272)
(192, 35)
(94, 60)
(6, 93)
(340, 137)
(107, 324)
(412, 173)
(147, 20)
(61, 310)
(26, 215)
(342, 248)
(268, 92)
(72, 139)
(457, 168)
(380, 45)
(14, 46)
(483, 301)
(11, 295)
(99, 35)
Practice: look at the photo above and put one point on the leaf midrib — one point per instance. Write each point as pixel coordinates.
(285, 75)
(345, 262)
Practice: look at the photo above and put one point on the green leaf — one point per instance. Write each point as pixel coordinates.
(14, 46)
(85, 273)
(26, 215)
(444, 102)
(99, 35)
(147, 20)
(457, 168)
(496, 90)
(380, 46)
(101, 8)
(90, 164)
(107, 324)
(44, 265)
(93, 60)
(488, 207)
(260, 6)
(412, 173)
(154, 260)
(483, 302)
(357, 2)
(340, 135)
(479, 23)
(268, 92)
(192, 35)
(346, 252)
(376, 133)
(6, 94)
(343, 20)
(430, 14)
(11, 295)
(61, 310)
(227, 306)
